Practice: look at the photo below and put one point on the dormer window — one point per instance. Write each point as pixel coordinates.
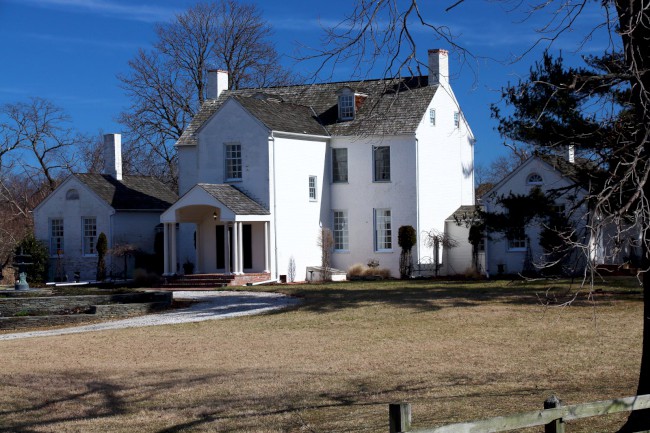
(346, 107)
(348, 102)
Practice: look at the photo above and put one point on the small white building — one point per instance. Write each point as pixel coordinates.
(261, 171)
(125, 208)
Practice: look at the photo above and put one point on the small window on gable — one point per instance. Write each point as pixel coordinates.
(72, 194)
(432, 117)
(456, 119)
(534, 179)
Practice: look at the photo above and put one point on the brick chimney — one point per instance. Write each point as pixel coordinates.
(217, 83)
(113, 155)
(438, 67)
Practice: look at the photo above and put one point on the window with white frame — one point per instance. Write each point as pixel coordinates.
(89, 239)
(432, 116)
(456, 119)
(72, 194)
(517, 239)
(340, 165)
(312, 188)
(56, 236)
(233, 162)
(340, 231)
(383, 230)
(381, 162)
(346, 106)
(534, 179)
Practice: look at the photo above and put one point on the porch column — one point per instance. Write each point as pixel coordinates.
(166, 249)
(197, 267)
(235, 248)
(240, 247)
(172, 228)
(267, 248)
(226, 248)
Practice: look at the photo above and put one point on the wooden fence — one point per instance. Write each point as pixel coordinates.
(553, 417)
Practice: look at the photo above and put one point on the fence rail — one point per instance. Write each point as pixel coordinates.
(553, 416)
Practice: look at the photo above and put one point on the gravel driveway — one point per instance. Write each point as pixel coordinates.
(211, 306)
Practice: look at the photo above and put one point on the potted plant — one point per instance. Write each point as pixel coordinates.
(188, 267)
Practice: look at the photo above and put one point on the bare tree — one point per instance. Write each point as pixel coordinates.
(36, 148)
(167, 84)
(326, 244)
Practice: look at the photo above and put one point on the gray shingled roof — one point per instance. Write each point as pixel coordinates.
(391, 107)
(131, 193)
(234, 199)
(462, 212)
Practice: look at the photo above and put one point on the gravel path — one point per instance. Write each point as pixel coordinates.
(211, 306)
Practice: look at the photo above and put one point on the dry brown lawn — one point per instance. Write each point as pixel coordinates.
(457, 351)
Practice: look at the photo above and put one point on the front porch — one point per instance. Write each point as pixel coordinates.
(220, 231)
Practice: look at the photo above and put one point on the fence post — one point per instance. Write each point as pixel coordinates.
(555, 426)
(399, 417)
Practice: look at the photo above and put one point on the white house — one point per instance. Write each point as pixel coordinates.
(262, 170)
(600, 241)
(125, 208)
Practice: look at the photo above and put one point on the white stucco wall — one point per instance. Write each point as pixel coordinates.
(361, 195)
(245, 130)
(72, 212)
(297, 219)
(445, 167)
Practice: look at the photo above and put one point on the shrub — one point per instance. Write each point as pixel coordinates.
(102, 248)
(356, 271)
(37, 272)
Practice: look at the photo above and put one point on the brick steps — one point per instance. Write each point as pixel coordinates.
(199, 281)
(212, 281)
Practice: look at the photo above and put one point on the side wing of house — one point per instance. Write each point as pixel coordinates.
(283, 172)
(512, 254)
(445, 168)
(68, 221)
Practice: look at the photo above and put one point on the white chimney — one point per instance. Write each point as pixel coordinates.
(438, 67)
(217, 83)
(113, 155)
(571, 153)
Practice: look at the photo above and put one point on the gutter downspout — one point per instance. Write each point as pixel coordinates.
(417, 191)
(275, 214)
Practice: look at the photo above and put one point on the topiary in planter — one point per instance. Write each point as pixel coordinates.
(406, 238)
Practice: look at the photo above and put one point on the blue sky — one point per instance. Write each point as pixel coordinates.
(70, 51)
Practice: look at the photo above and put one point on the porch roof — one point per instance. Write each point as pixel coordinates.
(203, 198)
(234, 199)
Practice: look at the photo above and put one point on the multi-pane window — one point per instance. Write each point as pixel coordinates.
(340, 232)
(432, 117)
(383, 230)
(456, 119)
(89, 227)
(340, 165)
(517, 239)
(535, 179)
(346, 107)
(312, 188)
(381, 159)
(233, 161)
(56, 236)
